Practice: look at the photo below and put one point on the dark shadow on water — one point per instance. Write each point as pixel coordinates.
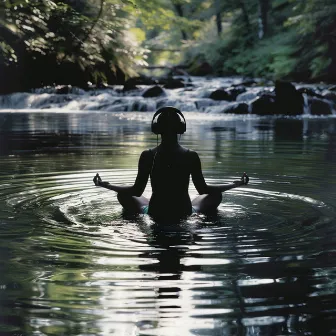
(288, 129)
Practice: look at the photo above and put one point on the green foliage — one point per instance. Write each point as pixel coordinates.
(68, 41)
(263, 60)
(314, 21)
(300, 43)
(74, 41)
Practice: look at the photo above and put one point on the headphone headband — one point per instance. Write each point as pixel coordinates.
(182, 125)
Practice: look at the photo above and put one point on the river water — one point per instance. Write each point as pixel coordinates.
(72, 263)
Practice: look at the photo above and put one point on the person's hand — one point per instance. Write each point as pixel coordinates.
(97, 180)
(245, 179)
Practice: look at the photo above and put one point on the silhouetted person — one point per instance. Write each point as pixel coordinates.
(169, 166)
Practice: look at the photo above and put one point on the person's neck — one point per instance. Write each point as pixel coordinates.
(169, 141)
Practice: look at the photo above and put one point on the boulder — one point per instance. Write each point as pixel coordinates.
(236, 108)
(319, 106)
(329, 95)
(154, 91)
(220, 94)
(264, 105)
(288, 100)
(172, 83)
(236, 91)
(63, 89)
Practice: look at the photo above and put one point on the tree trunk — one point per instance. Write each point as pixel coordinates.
(263, 17)
(219, 23)
(179, 11)
(245, 14)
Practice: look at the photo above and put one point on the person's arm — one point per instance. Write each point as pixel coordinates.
(140, 182)
(202, 187)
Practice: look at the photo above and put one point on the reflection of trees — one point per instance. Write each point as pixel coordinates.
(284, 292)
(264, 297)
(268, 297)
(40, 281)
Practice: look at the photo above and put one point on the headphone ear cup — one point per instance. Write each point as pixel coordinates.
(182, 124)
(155, 128)
(183, 127)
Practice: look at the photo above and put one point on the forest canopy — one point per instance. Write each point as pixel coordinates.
(49, 42)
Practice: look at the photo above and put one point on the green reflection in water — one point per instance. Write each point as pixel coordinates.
(72, 264)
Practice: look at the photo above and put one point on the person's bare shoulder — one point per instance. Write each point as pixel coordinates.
(147, 153)
(191, 155)
(190, 152)
(187, 150)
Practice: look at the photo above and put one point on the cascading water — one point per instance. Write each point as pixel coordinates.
(194, 99)
(306, 108)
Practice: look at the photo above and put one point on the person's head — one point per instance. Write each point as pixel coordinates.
(168, 120)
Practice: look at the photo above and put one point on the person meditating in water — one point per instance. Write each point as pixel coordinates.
(169, 167)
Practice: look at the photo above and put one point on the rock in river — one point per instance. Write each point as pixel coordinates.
(236, 108)
(154, 91)
(264, 105)
(319, 107)
(173, 83)
(236, 91)
(220, 94)
(63, 89)
(288, 100)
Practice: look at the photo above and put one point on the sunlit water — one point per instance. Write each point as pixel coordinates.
(72, 263)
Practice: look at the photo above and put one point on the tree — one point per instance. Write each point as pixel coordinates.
(263, 17)
(69, 41)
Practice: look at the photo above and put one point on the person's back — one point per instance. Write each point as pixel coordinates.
(170, 176)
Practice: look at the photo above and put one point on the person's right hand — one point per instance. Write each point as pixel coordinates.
(97, 180)
(245, 179)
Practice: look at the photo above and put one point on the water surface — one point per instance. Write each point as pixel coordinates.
(72, 263)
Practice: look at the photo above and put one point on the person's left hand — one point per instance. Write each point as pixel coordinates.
(97, 180)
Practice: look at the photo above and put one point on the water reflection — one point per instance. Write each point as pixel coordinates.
(78, 132)
(72, 263)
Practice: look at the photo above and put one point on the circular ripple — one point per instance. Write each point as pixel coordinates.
(256, 221)
(263, 255)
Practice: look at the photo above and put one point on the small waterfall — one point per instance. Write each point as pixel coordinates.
(114, 99)
(306, 107)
